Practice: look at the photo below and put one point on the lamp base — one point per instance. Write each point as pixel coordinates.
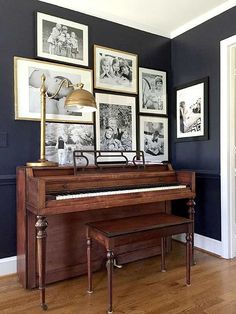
(42, 163)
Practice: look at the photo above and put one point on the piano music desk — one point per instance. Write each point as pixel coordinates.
(112, 233)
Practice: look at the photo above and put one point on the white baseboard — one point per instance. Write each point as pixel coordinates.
(8, 266)
(204, 243)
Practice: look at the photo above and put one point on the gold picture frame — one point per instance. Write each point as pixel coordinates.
(27, 83)
(115, 70)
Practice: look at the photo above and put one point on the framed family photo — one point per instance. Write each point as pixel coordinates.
(63, 138)
(192, 111)
(115, 70)
(154, 138)
(27, 81)
(115, 122)
(152, 91)
(62, 40)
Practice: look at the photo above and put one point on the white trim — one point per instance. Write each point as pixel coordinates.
(203, 18)
(204, 243)
(8, 266)
(226, 148)
(147, 28)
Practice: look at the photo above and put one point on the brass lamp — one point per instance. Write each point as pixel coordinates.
(79, 100)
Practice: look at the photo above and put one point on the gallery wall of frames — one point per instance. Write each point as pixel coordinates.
(114, 71)
(129, 80)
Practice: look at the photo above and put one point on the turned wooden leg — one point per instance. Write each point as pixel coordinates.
(163, 253)
(188, 257)
(90, 284)
(41, 226)
(110, 262)
(191, 215)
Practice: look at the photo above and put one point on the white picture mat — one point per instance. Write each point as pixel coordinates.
(102, 51)
(115, 100)
(190, 95)
(142, 72)
(154, 120)
(76, 75)
(84, 28)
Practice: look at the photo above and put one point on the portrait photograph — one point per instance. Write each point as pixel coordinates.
(192, 111)
(28, 76)
(115, 122)
(63, 138)
(152, 91)
(115, 70)
(154, 138)
(62, 40)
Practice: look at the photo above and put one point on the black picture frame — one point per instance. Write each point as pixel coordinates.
(192, 102)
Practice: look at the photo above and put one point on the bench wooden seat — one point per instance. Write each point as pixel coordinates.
(112, 233)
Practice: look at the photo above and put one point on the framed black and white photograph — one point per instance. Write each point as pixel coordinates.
(152, 91)
(115, 70)
(62, 40)
(115, 122)
(28, 73)
(63, 138)
(154, 138)
(192, 111)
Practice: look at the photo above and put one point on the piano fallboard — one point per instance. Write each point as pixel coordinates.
(42, 190)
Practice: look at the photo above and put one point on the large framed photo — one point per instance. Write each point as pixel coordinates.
(192, 111)
(154, 138)
(115, 122)
(152, 91)
(115, 70)
(28, 74)
(62, 40)
(63, 138)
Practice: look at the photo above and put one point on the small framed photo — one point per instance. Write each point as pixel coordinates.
(62, 40)
(152, 91)
(115, 122)
(115, 70)
(192, 111)
(63, 138)
(27, 81)
(154, 138)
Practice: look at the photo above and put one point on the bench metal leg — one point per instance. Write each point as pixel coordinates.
(188, 257)
(90, 278)
(110, 263)
(163, 253)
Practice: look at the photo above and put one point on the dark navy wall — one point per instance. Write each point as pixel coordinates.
(196, 54)
(17, 24)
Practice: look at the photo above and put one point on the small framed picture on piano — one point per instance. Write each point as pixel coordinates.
(154, 138)
(192, 111)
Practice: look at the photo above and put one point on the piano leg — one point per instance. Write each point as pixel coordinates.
(110, 262)
(191, 214)
(188, 257)
(41, 225)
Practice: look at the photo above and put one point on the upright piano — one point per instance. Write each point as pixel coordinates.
(66, 202)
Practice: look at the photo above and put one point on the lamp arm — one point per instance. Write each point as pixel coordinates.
(66, 83)
(63, 82)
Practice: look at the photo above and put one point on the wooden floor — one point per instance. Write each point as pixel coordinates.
(139, 288)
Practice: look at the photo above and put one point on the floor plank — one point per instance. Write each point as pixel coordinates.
(139, 288)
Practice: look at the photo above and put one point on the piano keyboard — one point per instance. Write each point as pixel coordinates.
(115, 192)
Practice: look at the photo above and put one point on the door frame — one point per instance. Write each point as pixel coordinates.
(227, 150)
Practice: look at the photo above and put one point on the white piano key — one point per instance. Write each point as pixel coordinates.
(105, 193)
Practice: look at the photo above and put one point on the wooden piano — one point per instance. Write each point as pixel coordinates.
(66, 202)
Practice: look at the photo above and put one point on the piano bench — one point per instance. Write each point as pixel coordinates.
(112, 233)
